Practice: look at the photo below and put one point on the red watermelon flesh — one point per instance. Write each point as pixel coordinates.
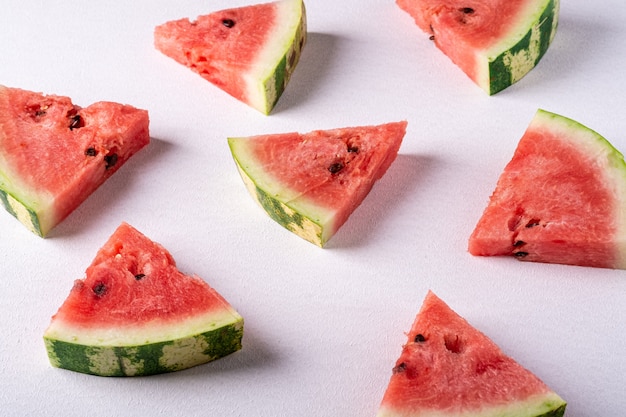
(116, 294)
(311, 183)
(495, 42)
(479, 29)
(449, 368)
(136, 305)
(561, 199)
(54, 154)
(249, 52)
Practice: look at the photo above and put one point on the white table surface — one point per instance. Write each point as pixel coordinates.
(323, 326)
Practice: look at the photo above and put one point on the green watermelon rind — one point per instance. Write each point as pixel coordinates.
(269, 77)
(610, 167)
(301, 211)
(606, 158)
(582, 135)
(543, 405)
(303, 222)
(22, 212)
(120, 359)
(510, 60)
(30, 207)
(454, 370)
(22, 194)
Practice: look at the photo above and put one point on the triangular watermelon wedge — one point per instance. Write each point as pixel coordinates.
(136, 314)
(250, 52)
(450, 369)
(495, 43)
(311, 183)
(54, 154)
(561, 199)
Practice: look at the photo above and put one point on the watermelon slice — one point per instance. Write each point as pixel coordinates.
(561, 199)
(135, 313)
(450, 369)
(53, 154)
(495, 43)
(250, 52)
(311, 183)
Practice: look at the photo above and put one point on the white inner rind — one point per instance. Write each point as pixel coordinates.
(526, 20)
(289, 15)
(150, 332)
(253, 174)
(607, 160)
(311, 227)
(24, 197)
(535, 406)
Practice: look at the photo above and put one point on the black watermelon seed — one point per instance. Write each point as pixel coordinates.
(110, 160)
(229, 23)
(99, 289)
(431, 37)
(139, 276)
(466, 10)
(519, 243)
(353, 149)
(335, 167)
(76, 121)
(91, 151)
(419, 338)
(399, 368)
(520, 254)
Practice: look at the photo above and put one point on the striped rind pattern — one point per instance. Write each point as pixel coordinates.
(148, 359)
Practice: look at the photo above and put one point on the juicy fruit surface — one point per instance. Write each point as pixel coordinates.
(473, 20)
(560, 199)
(133, 281)
(54, 154)
(134, 305)
(311, 183)
(449, 368)
(495, 42)
(250, 52)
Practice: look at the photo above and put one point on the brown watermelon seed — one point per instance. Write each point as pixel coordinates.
(431, 37)
(99, 289)
(399, 368)
(110, 160)
(520, 254)
(466, 10)
(139, 276)
(229, 23)
(91, 151)
(419, 338)
(76, 122)
(335, 167)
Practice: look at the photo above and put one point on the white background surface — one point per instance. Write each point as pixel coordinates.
(323, 326)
